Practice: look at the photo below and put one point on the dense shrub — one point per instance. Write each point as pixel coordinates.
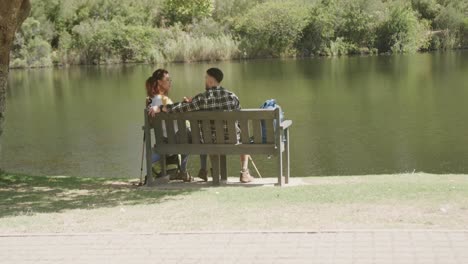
(186, 11)
(31, 47)
(272, 28)
(340, 27)
(402, 31)
(118, 31)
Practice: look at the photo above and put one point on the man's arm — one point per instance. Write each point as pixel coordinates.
(186, 106)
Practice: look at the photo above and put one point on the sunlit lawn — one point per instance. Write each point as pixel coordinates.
(73, 204)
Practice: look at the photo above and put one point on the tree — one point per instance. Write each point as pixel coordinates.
(12, 15)
(271, 29)
(185, 11)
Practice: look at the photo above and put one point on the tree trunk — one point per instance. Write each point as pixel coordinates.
(12, 15)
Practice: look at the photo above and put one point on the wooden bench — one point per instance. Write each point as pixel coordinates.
(217, 130)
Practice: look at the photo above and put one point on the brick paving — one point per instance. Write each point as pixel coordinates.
(382, 246)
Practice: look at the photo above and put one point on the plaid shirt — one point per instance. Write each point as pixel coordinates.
(216, 98)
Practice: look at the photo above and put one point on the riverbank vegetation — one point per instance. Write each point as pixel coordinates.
(62, 32)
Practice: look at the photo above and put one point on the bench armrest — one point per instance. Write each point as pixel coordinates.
(285, 124)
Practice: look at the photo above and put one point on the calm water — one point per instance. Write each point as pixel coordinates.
(358, 115)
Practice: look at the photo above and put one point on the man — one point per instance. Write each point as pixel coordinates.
(214, 98)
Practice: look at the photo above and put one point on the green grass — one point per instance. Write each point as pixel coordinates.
(72, 204)
(24, 194)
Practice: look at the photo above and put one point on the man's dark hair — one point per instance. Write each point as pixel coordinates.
(215, 73)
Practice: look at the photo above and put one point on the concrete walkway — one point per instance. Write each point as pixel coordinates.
(394, 246)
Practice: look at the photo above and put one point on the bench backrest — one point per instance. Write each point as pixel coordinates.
(215, 132)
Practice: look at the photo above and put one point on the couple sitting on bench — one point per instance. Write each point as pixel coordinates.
(215, 97)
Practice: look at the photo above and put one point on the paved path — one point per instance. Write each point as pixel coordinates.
(400, 247)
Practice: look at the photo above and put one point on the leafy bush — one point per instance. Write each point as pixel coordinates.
(427, 9)
(31, 47)
(185, 11)
(115, 31)
(112, 41)
(349, 25)
(272, 28)
(402, 31)
(229, 11)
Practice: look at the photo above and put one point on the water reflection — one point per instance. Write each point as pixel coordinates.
(356, 115)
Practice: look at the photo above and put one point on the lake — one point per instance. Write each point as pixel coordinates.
(351, 115)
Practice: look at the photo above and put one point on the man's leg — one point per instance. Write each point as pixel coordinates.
(204, 162)
(184, 162)
(183, 174)
(203, 173)
(244, 162)
(245, 176)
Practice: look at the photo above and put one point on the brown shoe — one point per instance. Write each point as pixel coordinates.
(203, 174)
(185, 176)
(245, 177)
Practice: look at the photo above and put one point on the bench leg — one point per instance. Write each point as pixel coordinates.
(163, 165)
(149, 160)
(223, 167)
(287, 161)
(216, 170)
(280, 169)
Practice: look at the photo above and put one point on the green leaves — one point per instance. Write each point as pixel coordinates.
(115, 31)
(186, 11)
(402, 31)
(272, 28)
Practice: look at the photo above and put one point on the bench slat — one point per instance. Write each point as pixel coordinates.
(182, 137)
(195, 130)
(218, 149)
(220, 115)
(206, 126)
(219, 124)
(244, 126)
(158, 131)
(232, 132)
(257, 131)
(170, 131)
(270, 131)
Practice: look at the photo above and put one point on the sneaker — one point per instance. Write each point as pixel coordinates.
(203, 174)
(185, 176)
(245, 176)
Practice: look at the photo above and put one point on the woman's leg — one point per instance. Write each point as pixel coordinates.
(155, 157)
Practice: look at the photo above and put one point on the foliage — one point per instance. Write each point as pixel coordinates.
(229, 11)
(343, 25)
(118, 31)
(31, 46)
(185, 11)
(101, 40)
(402, 31)
(272, 28)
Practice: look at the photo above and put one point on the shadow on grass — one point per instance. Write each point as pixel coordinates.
(27, 195)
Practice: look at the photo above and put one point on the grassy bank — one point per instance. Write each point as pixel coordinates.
(70, 204)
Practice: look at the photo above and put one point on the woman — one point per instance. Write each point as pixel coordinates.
(157, 88)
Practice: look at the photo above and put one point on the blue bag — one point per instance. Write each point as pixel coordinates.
(272, 105)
